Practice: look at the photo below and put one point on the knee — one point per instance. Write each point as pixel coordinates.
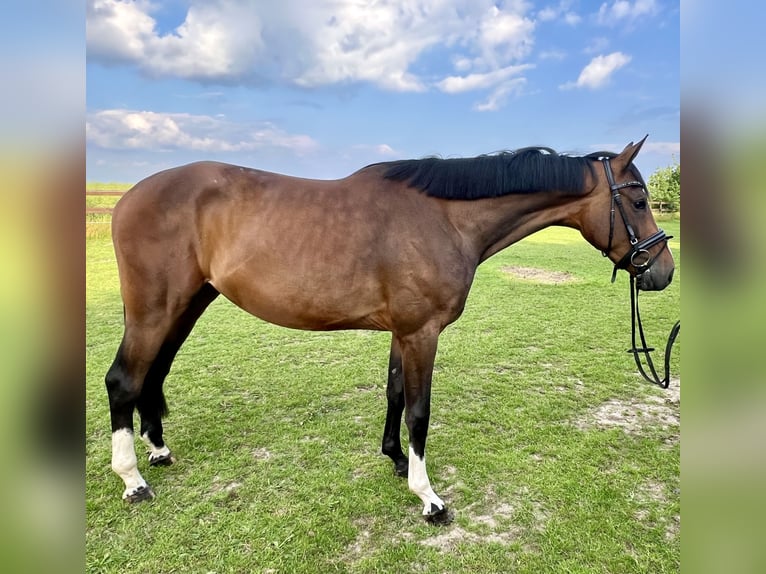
(119, 386)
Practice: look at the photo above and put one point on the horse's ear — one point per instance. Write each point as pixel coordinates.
(628, 154)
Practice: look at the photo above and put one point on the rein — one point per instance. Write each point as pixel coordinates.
(638, 256)
(635, 317)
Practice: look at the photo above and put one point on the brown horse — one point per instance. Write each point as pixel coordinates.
(392, 247)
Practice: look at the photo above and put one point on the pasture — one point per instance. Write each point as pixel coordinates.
(552, 451)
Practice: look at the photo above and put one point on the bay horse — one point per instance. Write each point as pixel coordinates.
(392, 247)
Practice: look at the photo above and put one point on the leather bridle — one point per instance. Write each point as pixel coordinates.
(638, 256)
(641, 260)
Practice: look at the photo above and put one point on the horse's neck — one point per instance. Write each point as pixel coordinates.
(491, 225)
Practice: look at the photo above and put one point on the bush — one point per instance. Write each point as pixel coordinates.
(665, 186)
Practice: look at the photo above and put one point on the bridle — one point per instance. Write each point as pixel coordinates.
(639, 257)
(638, 249)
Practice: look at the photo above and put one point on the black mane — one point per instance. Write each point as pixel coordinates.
(526, 170)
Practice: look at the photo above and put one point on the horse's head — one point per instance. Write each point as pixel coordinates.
(618, 220)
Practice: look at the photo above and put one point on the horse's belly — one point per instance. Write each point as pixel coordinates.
(315, 305)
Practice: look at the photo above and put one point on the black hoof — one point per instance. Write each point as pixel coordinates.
(441, 517)
(165, 460)
(143, 493)
(402, 469)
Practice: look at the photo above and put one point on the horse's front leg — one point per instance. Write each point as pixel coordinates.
(392, 443)
(418, 354)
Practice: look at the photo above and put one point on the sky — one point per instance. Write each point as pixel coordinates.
(322, 88)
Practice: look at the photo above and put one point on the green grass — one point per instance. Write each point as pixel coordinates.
(277, 435)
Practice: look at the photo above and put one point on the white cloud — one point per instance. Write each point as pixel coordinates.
(504, 36)
(553, 54)
(561, 10)
(547, 14)
(462, 64)
(624, 10)
(133, 129)
(457, 84)
(597, 73)
(118, 30)
(572, 18)
(380, 42)
(374, 43)
(499, 40)
(502, 84)
(217, 40)
(383, 150)
(310, 43)
(498, 97)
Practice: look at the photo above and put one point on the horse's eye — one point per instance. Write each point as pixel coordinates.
(640, 204)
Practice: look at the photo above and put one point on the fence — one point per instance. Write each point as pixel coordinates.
(663, 207)
(100, 192)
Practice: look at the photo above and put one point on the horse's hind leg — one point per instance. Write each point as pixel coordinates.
(392, 444)
(161, 304)
(151, 402)
(124, 382)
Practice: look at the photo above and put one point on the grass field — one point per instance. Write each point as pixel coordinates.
(553, 453)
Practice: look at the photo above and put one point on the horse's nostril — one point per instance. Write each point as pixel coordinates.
(670, 275)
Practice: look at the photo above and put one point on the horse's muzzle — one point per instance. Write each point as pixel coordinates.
(655, 278)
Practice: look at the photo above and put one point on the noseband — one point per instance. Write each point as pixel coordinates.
(639, 257)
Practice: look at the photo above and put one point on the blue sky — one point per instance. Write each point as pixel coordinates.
(322, 88)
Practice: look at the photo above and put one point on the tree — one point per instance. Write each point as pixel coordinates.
(665, 186)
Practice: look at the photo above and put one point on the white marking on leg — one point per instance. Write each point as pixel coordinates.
(155, 452)
(124, 461)
(417, 479)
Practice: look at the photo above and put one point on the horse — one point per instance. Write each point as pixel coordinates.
(392, 247)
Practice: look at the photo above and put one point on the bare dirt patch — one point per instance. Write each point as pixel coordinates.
(634, 416)
(653, 493)
(457, 535)
(490, 528)
(491, 521)
(229, 488)
(543, 276)
(261, 453)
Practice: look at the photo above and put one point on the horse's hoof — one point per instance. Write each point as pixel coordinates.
(440, 516)
(402, 469)
(141, 493)
(162, 460)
